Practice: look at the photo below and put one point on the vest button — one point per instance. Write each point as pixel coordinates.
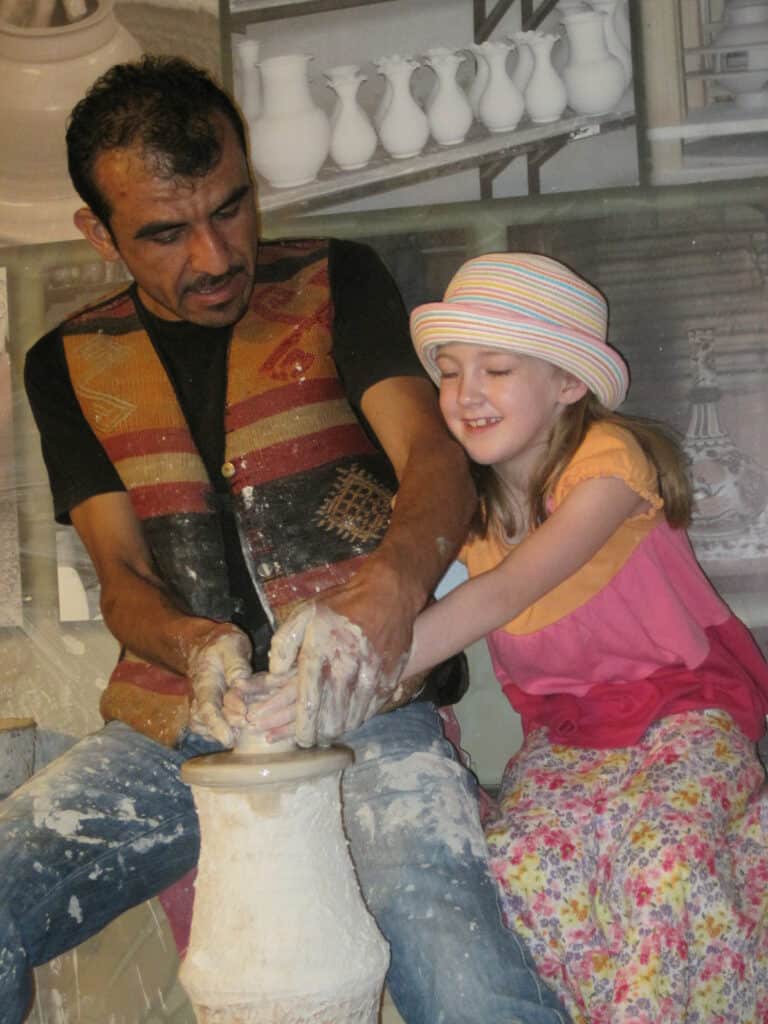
(265, 570)
(228, 470)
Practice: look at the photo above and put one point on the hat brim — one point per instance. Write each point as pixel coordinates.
(599, 366)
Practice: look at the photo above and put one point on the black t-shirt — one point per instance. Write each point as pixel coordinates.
(371, 342)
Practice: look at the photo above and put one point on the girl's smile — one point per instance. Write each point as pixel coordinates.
(500, 405)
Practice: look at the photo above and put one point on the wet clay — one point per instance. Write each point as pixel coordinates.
(280, 934)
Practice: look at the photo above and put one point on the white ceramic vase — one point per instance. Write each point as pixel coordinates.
(545, 95)
(353, 138)
(449, 113)
(594, 78)
(403, 128)
(501, 105)
(523, 69)
(279, 928)
(291, 136)
(745, 34)
(44, 71)
(613, 41)
(561, 52)
(480, 78)
(247, 82)
(623, 26)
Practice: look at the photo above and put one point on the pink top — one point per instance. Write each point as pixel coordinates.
(636, 634)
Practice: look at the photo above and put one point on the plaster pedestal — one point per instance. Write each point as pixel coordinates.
(280, 933)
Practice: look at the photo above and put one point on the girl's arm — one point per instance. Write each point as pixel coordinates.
(573, 534)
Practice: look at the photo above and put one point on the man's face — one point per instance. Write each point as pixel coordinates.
(190, 244)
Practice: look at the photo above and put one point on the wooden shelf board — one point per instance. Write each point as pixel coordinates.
(384, 172)
(269, 10)
(716, 119)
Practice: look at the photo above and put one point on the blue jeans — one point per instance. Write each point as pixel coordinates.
(110, 824)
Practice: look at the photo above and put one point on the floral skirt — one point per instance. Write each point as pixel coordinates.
(639, 876)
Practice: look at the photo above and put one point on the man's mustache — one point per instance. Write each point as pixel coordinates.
(209, 282)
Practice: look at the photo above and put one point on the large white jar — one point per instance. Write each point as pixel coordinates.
(280, 932)
(44, 71)
(594, 79)
(291, 136)
(745, 34)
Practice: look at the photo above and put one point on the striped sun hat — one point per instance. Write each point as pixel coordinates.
(530, 304)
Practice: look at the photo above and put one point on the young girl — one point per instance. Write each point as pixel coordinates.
(630, 844)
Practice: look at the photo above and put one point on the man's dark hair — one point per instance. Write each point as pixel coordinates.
(163, 105)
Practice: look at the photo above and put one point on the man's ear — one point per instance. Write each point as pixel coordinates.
(89, 225)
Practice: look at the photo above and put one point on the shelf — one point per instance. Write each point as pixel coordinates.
(333, 186)
(715, 120)
(270, 10)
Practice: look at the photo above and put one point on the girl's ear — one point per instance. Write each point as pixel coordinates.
(572, 389)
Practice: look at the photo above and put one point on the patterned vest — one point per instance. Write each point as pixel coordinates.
(311, 493)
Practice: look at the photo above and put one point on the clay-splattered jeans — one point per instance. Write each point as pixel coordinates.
(109, 824)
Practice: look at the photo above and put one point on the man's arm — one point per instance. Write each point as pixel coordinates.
(435, 501)
(342, 655)
(142, 615)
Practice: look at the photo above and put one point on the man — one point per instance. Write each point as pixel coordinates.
(210, 433)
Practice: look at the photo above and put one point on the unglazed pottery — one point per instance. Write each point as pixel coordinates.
(403, 127)
(745, 34)
(545, 94)
(247, 80)
(501, 105)
(44, 71)
(353, 137)
(449, 112)
(280, 932)
(594, 79)
(291, 137)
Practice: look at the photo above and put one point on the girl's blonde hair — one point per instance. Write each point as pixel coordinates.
(496, 512)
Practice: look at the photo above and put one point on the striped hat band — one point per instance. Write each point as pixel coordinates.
(529, 304)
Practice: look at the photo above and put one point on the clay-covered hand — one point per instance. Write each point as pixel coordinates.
(339, 678)
(221, 662)
(242, 701)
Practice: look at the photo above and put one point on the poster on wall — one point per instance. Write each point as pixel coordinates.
(10, 571)
(688, 299)
(412, 104)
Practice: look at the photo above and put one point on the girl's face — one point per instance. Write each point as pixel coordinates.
(501, 406)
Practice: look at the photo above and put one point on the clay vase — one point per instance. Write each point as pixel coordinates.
(480, 79)
(730, 489)
(449, 113)
(353, 138)
(745, 34)
(594, 79)
(44, 71)
(280, 932)
(561, 51)
(438, 52)
(247, 82)
(501, 105)
(545, 95)
(403, 128)
(610, 9)
(523, 70)
(17, 752)
(291, 136)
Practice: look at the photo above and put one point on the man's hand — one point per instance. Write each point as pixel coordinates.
(338, 681)
(221, 661)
